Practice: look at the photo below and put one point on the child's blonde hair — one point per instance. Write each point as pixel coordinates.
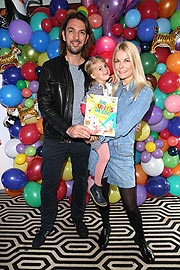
(89, 65)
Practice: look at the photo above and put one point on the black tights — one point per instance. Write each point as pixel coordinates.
(128, 197)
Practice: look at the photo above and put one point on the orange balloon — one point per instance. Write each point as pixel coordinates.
(167, 8)
(165, 146)
(13, 193)
(176, 170)
(141, 176)
(39, 125)
(173, 62)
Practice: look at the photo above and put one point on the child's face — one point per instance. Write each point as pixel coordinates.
(100, 72)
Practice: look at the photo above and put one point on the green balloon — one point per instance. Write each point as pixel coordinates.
(174, 182)
(159, 98)
(36, 20)
(170, 161)
(21, 84)
(122, 22)
(29, 54)
(149, 62)
(54, 33)
(97, 32)
(154, 134)
(168, 115)
(4, 51)
(30, 151)
(175, 20)
(32, 194)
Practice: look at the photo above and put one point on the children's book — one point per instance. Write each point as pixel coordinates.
(100, 116)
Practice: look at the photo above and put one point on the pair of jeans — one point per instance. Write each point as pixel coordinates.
(54, 154)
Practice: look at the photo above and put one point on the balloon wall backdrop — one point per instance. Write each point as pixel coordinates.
(28, 40)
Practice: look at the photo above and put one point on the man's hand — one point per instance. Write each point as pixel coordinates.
(78, 131)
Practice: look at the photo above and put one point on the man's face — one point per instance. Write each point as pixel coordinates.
(75, 36)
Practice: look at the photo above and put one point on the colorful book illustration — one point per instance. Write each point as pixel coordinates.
(100, 116)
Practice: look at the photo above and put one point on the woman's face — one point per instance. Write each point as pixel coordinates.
(123, 67)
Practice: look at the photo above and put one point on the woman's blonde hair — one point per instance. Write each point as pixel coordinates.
(138, 71)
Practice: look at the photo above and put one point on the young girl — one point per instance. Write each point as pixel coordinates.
(99, 73)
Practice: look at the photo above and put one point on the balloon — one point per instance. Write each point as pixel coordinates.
(157, 186)
(58, 4)
(46, 25)
(97, 33)
(10, 147)
(117, 29)
(105, 43)
(145, 46)
(152, 79)
(34, 169)
(154, 167)
(162, 54)
(28, 71)
(167, 8)
(114, 194)
(132, 18)
(173, 62)
(33, 86)
(150, 147)
(12, 74)
(160, 125)
(159, 98)
(129, 33)
(54, 33)
(69, 185)
(174, 126)
(29, 54)
(107, 55)
(145, 156)
(174, 182)
(60, 15)
(95, 20)
(5, 40)
(30, 151)
(39, 41)
(67, 171)
(36, 20)
(14, 179)
(131, 4)
(153, 115)
(43, 57)
(141, 194)
(145, 30)
(29, 134)
(53, 48)
(20, 159)
(61, 190)
(10, 95)
(143, 133)
(163, 25)
(172, 103)
(148, 9)
(167, 172)
(110, 13)
(176, 170)
(14, 193)
(161, 68)
(32, 194)
(170, 161)
(15, 129)
(140, 146)
(141, 176)
(20, 32)
(149, 62)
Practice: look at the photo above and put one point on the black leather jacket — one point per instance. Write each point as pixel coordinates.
(55, 97)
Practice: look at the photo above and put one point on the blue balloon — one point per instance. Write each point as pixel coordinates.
(163, 25)
(157, 186)
(5, 40)
(10, 95)
(14, 130)
(12, 74)
(174, 126)
(39, 41)
(53, 48)
(132, 18)
(14, 179)
(57, 4)
(145, 30)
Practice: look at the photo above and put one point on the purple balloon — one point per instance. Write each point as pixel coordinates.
(149, 139)
(131, 4)
(141, 194)
(145, 156)
(20, 32)
(153, 115)
(177, 46)
(160, 126)
(111, 13)
(159, 143)
(20, 148)
(69, 185)
(158, 153)
(140, 146)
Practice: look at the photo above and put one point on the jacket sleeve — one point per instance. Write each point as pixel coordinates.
(134, 112)
(46, 104)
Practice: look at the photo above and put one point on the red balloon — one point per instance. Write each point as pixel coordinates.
(28, 71)
(117, 29)
(108, 58)
(61, 191)
(95, 20)
(42, 9)
(92, 9)
(168, 82)
(105, 43)
(167, 172)
(34, 169)
(29, 134)
(164, 134)
(129, 33)
(60, 15)
(46, 25)
(162, 54)
(149, 9)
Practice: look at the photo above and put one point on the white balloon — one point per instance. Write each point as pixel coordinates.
(10, 147)
(154, 167)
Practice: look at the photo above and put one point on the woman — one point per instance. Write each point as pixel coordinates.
(135, 96)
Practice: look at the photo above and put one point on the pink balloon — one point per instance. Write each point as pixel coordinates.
(87, 3)
(105, 43)
(172, 103)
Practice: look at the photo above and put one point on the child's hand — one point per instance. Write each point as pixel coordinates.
(138, 128)
(91, 139)
(83, 108)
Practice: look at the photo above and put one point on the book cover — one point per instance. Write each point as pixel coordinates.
(100, 116)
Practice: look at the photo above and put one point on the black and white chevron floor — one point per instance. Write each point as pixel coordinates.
(64, 250)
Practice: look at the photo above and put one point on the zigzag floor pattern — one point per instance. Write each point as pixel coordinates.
(64, 250)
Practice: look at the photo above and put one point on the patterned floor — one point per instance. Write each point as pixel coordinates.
(64, 250)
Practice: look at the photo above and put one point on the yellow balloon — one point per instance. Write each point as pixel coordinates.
(143, 133)
(43, 57)
(82, 8)
(20, 159)
(150, 147)
(67, 171)
(22, 167)
(114, 195)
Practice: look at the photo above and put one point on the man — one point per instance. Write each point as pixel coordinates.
(62, 86)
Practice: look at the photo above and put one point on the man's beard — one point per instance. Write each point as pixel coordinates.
(75, 51)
